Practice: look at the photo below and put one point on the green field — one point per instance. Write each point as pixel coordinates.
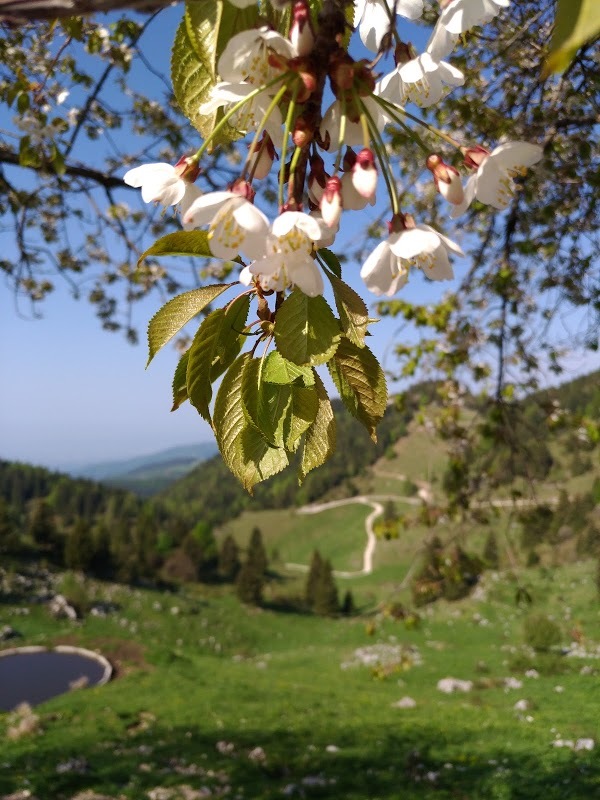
(199, 688)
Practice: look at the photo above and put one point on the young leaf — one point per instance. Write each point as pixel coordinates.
(180, 393)
(577, 22)
(193, 81)
(178, 312)
(361, 383)
(354, 316)
(331, 261)
(266, 403)
(320, 440)
(306, 332)
(301, 414)
(244, 450)
(277, 369)
(181, 243)
(216, 344)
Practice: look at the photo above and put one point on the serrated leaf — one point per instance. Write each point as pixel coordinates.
(180, 243)
(192, 84)
(331, 261)
(216, 344)
(244, 450)
(320, 440)
(306, 331)
(266, 403)
(361, 384)
(354, 315)
(178, 312)
(301, 414)
(278, 369)
(577, 22)
(180, 393)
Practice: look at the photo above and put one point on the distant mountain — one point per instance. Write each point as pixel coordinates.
(146, 475)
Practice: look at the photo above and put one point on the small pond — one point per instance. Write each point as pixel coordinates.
(33, 675)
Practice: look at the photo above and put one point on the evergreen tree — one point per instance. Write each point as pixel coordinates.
(251, 577)
(79, 546)
(348, 603)
(490, 551)
(326, 595)
(229, 558)
(313, 578)
(257, 552)
(9, 535)
(42, 530)
(201, 546)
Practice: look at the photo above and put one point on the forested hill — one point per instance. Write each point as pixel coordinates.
(579, 396)
(210, 491)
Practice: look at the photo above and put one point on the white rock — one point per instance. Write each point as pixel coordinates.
(585, 744)
(405, 702)
(450, 685)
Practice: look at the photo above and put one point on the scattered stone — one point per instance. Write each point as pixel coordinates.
(60, 608)
(559, 689)
(183, 792)
(78, 766)
(450, 685)
(7, 632)
(522, 705)
(405, 702)
(90, 794)
(257, 755)
(79, 683)
(585, 744)
(332, 748)
(532, 673)
(225, 748)
(22, 722)
(512, 683)
(24, 794)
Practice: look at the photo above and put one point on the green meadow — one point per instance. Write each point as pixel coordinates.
(215, 699)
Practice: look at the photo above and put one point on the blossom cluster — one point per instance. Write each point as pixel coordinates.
(330, 160)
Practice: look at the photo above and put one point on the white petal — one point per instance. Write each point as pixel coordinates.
(411, 9)
(192, 193)
(448, 243)
(441, 43)
(470, 188)
(168, 192)
(450, 75)
(250, 218)
(306, 275)
(374, 24)
(147, 172)
(246, 277)
(203, 210)
(380, 270)
(412, 243)
(513, 155)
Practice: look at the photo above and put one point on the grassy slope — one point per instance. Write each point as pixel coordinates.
(220, 672)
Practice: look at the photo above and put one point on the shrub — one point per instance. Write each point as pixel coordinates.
(541, 633)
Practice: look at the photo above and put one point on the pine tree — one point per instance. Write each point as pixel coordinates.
(348, 603)
(42, 529)
(326, 595)
(313, 578)
(490, 551)
(79, 547)
(257, 552)
(229, 558)
(251, 577)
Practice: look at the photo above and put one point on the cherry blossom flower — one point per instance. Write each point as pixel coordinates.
(251, 115)
(246, 56)
(235, 224)
(460, 16)
(373, 18)
(331, 202)
(287, 257)
(447, 179)
(164, 183)
(493, 183)
(423, 80)
(386, 269)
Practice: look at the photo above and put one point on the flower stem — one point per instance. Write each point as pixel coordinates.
(286, 136)
(384, 163)
(395, 111)
(271, 107)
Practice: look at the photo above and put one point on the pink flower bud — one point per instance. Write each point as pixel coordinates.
(317, 179)
(331, 202)
(263, 161)
(243, 189)
(447, 179)
(364, 174)
(302, 35)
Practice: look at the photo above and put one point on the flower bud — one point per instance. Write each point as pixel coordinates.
(364, 174)
(447, 179)
(302, 35)
(317, 179)
(331, 202)
(404, 53)
(243, 188)
(265, 155)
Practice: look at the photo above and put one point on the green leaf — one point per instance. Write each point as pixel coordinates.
(180, 393)
(577, 22)
(306, 331)
(29, 156)
(354, 315)
(331, 261)
(361, 384)
(181, 243)
(277, 369)
(320, 440)
(216, 344)
(246, 453)
(192, 84)
(301, 414)
(177, 312)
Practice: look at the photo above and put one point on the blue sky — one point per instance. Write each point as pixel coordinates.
(72, 393)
